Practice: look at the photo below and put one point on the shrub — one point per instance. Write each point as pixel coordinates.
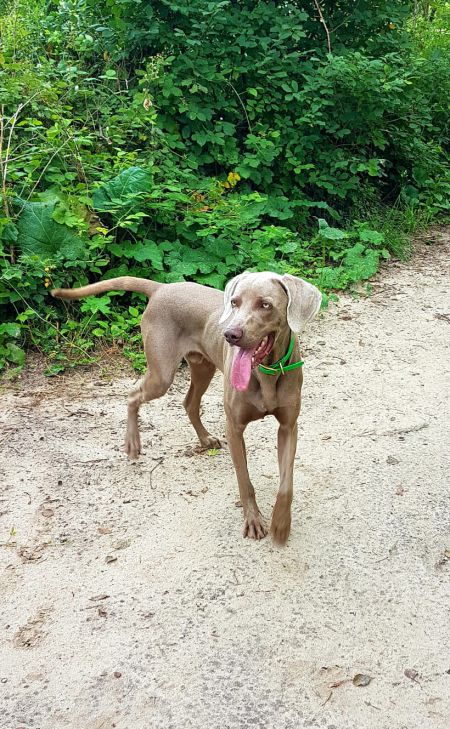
(193, 140)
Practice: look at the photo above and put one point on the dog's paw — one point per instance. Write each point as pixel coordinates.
(132, 447)
(254, 527)
(209, 442)
(280, 531)
(280, 526)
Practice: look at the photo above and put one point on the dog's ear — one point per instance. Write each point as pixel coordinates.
(304, 301)
(228, 295)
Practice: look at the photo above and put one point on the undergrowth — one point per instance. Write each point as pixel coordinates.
(194, 140)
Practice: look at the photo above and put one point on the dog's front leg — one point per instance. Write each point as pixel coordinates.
(253, 524)
(281, 515)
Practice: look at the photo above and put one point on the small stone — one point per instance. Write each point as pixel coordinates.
(122, 544)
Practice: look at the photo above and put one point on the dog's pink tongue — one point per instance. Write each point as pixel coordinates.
(241, 369)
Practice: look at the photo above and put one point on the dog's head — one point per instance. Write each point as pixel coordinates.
(257, 307)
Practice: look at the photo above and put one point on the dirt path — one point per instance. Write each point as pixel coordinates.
(129, 598)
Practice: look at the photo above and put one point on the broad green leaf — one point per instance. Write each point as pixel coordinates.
(95, 304)
(14, 354)
(373, 167)
(147, 251)
(371, 236)
(360, 263)
(10, 328)
(216, 280)
(40, 235)
(9, 233)
(332, 278)
(333, 233)
(66, 217)
(123, 191)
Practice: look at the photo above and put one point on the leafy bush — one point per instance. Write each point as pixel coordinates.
(192, 140)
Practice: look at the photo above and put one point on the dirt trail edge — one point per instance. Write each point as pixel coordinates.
(128, 598)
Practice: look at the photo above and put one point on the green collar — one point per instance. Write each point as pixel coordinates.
(280, 367)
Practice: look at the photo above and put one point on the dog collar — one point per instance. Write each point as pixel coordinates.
(280, 367)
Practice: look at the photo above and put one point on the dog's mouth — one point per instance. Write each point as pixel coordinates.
(245, 360)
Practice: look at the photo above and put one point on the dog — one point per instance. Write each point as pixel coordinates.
(249, 333)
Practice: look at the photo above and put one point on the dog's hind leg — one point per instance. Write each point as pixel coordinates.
(150, 388)
(162, 365)
(202, 372)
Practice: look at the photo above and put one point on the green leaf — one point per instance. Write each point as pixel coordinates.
(123, 191)
(201, 138)
(371, 236)
(54, 369)
(147, 251)
(40, 235)
(373, 167)
(10, 328)
(325, 231)
(14, 354)
(66, 217)
(332, 278)
(9, 233)
(94, 305)
(360, 263)
(216, 280)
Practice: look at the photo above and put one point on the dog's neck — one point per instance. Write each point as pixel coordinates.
(268, 383)
(280, 346)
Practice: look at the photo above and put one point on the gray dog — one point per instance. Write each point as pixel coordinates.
(248, 333)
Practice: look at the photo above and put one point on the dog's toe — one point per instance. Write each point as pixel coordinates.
(254, 528)
(132, 448)
(280, 533)
(210, 443)
(280, 526)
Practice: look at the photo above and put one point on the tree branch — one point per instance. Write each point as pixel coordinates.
(322, 20)
(243, 106)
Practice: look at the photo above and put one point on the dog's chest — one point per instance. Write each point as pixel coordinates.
(268, 394)
(263, 395)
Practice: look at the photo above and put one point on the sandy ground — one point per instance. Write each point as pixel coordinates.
(129, 598)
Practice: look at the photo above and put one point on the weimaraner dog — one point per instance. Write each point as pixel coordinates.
(248, 333)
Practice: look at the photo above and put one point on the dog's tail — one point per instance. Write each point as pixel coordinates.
(123, 283)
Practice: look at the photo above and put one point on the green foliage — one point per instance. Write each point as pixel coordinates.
(430, 27)
(192, 140)
(124, 192)
(39, 234)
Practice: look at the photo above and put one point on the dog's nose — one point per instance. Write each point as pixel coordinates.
(233, 336)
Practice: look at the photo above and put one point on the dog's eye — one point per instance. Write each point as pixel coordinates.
(233, 303)
(266, 305)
